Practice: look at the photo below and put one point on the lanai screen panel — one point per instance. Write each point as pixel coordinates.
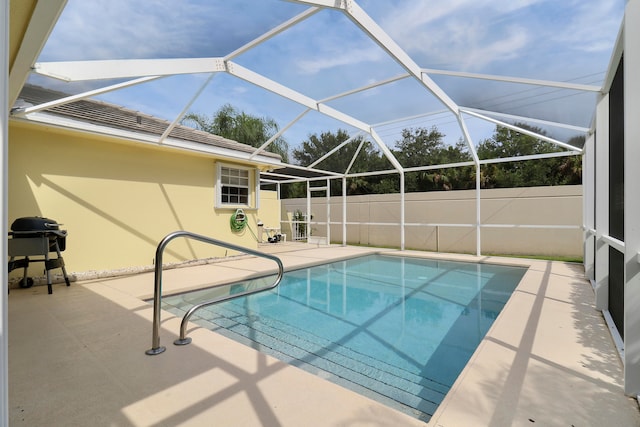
(616, 197)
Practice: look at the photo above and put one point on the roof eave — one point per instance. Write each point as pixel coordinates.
(42, 118)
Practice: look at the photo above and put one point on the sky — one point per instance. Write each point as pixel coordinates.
(327, 54)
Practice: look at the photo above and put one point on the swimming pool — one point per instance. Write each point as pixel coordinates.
(396, 329)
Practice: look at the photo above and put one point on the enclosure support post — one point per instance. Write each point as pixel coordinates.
(602, 203)
(4, 142)
(308, 219)
(328, 202)
(402, 231)
(344, 211)
(588, 206)
(478, 232)
(631, 199)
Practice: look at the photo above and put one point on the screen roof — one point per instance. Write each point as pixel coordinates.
(363, 66)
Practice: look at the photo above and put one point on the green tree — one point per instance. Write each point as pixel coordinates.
(425, 147)
(244, 128)
(506, 142)
(316, 146)
(319, 145)
(418, 147)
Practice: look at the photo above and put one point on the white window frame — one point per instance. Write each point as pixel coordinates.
(252, 194)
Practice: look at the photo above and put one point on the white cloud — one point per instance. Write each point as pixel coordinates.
(239, 90)
(505, 48)
(467, 34)
(100, 29)
(593, 26)
(330, 60)
(410, 17)
(114, 29)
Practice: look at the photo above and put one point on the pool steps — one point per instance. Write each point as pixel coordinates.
(396, 387)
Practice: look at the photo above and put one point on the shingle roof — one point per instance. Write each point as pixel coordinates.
(114, 116)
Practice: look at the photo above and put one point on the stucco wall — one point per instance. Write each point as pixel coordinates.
(560, 205)
(118, 200)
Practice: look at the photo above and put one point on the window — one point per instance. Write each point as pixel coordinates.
(234, 186)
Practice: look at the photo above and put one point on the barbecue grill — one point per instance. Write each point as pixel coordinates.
(36, 236)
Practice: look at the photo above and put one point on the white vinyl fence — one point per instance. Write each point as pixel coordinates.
(517, 221)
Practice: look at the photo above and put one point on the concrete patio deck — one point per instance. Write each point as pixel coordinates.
(77, 358)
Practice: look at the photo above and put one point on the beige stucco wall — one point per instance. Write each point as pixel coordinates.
(561, 205)
(117, 200)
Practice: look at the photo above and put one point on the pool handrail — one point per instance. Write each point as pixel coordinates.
(156, 348)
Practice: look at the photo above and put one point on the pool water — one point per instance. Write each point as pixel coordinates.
(396, 329)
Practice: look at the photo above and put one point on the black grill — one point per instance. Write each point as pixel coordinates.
(36, 236)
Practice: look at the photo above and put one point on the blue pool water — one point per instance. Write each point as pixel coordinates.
(396, 329)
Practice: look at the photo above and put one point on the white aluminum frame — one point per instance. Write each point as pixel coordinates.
(588, 206)
(602, 203)
(155, 68)
(43, 18)
(4, 217)
(595, 224)
(632, 198)
(596, 202)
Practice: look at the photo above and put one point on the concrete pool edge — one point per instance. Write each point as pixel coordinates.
(559, 368)
(476, 369)
(537, 333)
(332, 345)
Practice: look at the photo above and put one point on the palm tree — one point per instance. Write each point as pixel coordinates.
(244, 128)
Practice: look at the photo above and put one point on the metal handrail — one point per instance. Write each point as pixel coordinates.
(156, 348)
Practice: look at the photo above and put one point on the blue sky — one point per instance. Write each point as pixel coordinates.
(568, 40)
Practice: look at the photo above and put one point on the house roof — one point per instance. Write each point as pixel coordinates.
(116, 117)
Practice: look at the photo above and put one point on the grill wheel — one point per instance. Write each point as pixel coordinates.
(26, 283)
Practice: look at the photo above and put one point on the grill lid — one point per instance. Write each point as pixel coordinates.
(34, 223)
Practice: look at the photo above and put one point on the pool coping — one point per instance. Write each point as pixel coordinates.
(180, 307)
